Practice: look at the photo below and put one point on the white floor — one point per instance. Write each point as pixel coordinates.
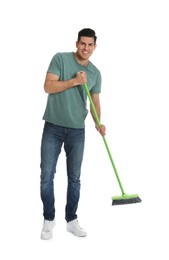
(135, 231)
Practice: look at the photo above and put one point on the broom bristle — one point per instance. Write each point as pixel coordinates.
(122, 201)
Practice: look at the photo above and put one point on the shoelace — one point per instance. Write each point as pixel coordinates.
(47, 227)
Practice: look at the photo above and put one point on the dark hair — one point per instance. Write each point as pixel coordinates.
(87, 32)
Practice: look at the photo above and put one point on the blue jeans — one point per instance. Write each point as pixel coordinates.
(52, 140)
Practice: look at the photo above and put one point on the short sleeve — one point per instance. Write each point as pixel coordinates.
(55, 65)
(97, 86)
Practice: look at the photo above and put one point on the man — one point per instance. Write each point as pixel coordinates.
(64, 118)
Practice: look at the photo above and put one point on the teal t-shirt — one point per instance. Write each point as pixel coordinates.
(68, 108)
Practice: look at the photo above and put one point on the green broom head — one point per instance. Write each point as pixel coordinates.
(125, 199)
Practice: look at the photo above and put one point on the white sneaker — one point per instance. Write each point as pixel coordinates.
(47, 230)
(75, 229)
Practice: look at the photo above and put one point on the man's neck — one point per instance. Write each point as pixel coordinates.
(81, 61)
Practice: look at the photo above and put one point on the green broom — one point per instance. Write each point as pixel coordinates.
(124, 198)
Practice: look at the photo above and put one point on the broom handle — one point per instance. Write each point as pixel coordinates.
(104, 138)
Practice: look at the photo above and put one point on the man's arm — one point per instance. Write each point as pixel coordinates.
(54, 85)
(96, 102)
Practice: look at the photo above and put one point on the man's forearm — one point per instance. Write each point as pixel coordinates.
(56, 86)
(98, 111)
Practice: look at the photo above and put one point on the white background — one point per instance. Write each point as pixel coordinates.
(133, 56)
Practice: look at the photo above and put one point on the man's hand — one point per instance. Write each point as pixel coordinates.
(102, 129)
(81, 77)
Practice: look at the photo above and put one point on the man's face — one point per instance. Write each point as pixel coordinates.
(85, 47)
